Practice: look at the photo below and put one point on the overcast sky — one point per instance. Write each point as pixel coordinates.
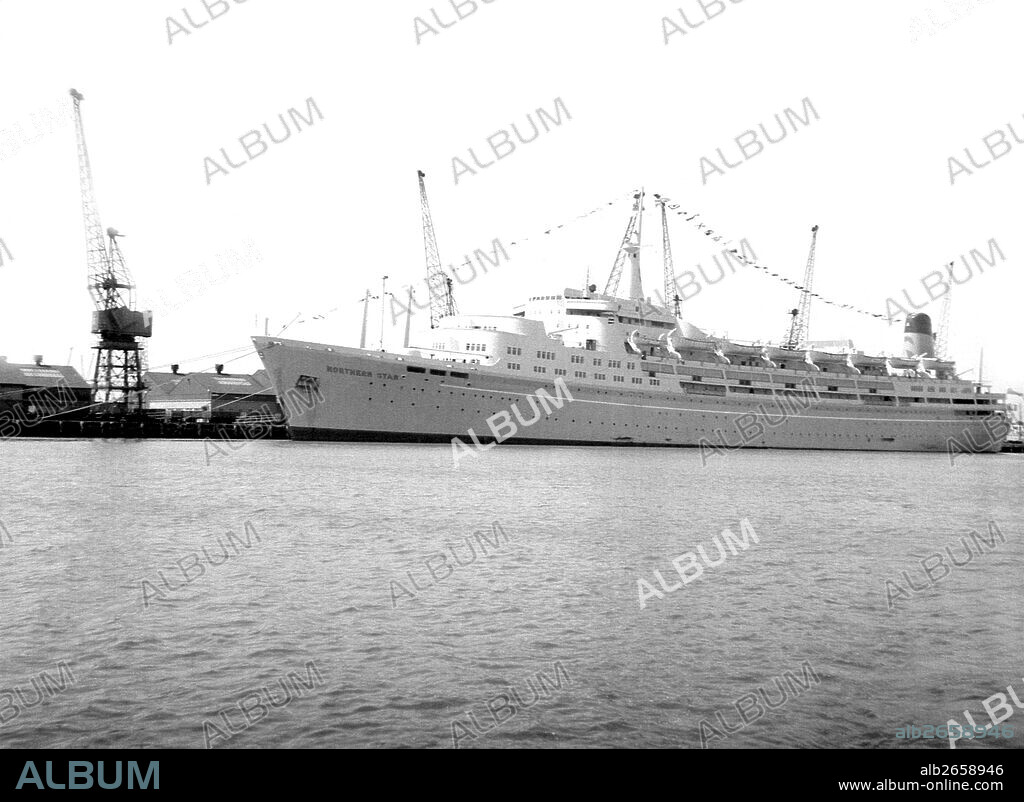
(898, 88)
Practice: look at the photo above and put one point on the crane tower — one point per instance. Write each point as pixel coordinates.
(671, 291)
(629, 250)
(442, 302)
(120, 350)
(942, 337)
(799, 328)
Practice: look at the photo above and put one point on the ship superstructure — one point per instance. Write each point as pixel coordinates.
(632, 373)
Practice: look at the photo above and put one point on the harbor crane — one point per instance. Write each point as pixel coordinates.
(629, 249)
(442, 301)
(800, 325)
(942, 336)
(120, 349)
(671, 291)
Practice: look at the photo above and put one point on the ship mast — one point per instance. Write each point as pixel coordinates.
(383, 294)
(366, 317)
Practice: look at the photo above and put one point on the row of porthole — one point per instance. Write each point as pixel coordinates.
(615, 423)
(702, 430)
(659, 412)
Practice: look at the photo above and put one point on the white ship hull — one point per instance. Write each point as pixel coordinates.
(353, 394)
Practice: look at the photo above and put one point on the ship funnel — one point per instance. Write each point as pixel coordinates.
(38, 359)
(917, 336)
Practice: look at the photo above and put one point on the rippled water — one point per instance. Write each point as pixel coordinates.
(331, 526)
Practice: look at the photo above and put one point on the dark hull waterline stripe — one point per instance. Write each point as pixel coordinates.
(308, 434)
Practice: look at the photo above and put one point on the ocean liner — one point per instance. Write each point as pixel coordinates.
(582, 367)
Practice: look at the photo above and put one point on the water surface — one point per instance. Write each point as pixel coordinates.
(340, 527)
